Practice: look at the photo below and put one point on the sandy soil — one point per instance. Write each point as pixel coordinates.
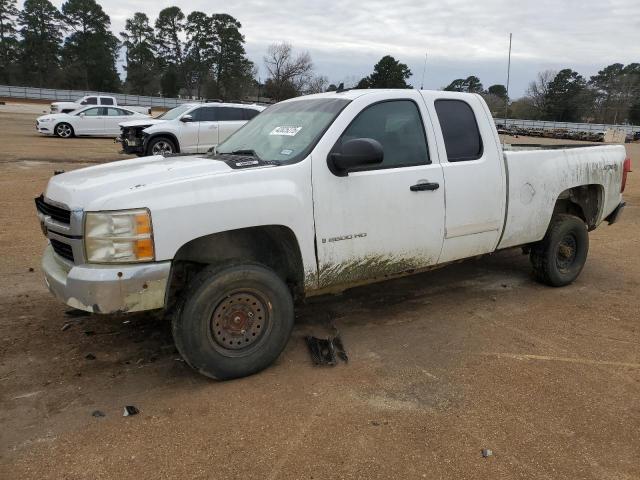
(442, 365)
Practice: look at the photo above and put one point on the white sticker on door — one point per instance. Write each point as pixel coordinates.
(286, 131)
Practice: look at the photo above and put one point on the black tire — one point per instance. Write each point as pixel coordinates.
(559, 258)
(63, 130)
(242, 340)
(161, 146)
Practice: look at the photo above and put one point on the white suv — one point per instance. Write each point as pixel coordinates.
(188, 128)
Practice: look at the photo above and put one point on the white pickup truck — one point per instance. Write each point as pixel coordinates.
(316, 194)
(101, 100)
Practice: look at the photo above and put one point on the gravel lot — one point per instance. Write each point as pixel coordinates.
(442, 365)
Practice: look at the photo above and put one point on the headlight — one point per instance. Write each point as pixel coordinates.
(42, 120)
(119, 237)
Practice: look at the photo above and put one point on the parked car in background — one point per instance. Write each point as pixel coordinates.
(188, 128)
(317, 194)
(104, 100)
(87, 121)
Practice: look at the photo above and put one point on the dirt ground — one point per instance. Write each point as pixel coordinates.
(442, 365)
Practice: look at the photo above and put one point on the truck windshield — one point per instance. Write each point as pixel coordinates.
(174, 112)
(285, 132)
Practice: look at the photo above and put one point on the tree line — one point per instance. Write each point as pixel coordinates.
(611, 96)
(202, 55)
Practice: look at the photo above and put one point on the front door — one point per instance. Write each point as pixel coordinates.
(381, 220)
(188, 131)
(91, 121)
(208, 132)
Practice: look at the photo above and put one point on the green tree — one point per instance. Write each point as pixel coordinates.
(232, 70)
(568, 97)
(200, 51)
(634, 113)
(387, 73)
(41, 34)
(90, 51)
(498, 90)
(615, 89)
(471, 84)
(169, 25)
(141, 63)
(8, 40)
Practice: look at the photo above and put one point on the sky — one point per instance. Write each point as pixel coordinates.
(459, 37)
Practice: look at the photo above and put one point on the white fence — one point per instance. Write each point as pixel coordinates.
(31, 93)
(573, 127)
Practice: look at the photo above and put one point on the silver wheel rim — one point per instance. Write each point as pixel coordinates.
(162, 148)
(64, 130)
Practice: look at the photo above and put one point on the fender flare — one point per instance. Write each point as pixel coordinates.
(170, 136)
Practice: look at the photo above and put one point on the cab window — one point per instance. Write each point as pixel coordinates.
(90, 101)
(397, 125)
(462, 138)
(106, 101)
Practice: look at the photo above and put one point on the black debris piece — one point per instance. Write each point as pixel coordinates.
(342, 354)
(98, 413)
(31, 269)
(130, 410)
(89, 333)
(76, 313)
(90, 356)
(58, 172)
(322, 351)
(486, 453)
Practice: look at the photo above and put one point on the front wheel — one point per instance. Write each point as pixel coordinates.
(233, 321)
(64, 130)
(560, 256)
(161, 146)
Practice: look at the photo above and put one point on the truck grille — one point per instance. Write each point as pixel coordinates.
(61, 215)
(62, 249)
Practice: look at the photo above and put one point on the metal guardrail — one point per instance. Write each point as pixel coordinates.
(52, 94)
(572, 127)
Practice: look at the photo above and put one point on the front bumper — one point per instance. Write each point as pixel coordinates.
(107, 288)
(45, 128)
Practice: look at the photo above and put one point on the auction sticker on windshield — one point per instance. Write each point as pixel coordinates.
(286, 131)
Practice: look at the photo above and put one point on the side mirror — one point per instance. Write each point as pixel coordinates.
(186, 118)
(353, 154)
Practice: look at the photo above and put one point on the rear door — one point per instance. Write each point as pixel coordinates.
(473, 174)
(378, 221)
(231, 119)
(115, 116)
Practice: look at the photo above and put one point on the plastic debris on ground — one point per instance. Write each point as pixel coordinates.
(486, 452)
(325, 351)
(98, 413)
(130, 410)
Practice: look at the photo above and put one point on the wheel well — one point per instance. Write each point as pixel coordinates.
(274, 246)
(584, 202)
(168, 135)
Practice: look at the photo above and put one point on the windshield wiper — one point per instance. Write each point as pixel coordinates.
(245, 152)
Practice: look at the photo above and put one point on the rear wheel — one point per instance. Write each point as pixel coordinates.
(233, 321)
(559, 258)
(161, 146)
(64, 130)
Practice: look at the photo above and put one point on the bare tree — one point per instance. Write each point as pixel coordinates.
(317, 84)
(538, 90)
(289, 74)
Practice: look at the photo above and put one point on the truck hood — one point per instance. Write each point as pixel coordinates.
(91, 188)
(144, 122)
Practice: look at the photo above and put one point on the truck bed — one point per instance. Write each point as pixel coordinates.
(538, 175)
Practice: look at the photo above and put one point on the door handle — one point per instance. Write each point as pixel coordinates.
(424, 186)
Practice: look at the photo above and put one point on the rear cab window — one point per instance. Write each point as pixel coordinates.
(106, 101)
(462, 137)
